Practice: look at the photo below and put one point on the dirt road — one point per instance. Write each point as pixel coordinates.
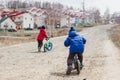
(101, 59)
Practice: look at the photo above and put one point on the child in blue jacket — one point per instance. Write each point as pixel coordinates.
(76, 43)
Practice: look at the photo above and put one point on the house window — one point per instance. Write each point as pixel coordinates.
(5, 26)
(18, 17)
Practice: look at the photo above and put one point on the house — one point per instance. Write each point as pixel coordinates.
(71, 17)
(75, 17)
(7, 23)
(40, 20)
(63, 21)
(39, 16)
(24, 20)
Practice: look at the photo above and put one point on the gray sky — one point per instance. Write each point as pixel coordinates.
(102, 5)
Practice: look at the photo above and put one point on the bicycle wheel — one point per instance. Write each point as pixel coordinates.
(78, 67)
(50, 46)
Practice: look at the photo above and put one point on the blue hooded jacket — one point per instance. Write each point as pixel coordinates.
(75, 41)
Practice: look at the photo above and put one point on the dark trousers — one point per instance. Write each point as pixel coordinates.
(40, 43)
(71, 57)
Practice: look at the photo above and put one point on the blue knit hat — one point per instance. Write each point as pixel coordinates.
(43, 27)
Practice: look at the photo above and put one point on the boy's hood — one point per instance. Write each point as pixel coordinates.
(71, 29)
(72, 34)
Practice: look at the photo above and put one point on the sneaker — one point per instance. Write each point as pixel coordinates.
(69, 70)
(39, 50)
(81, 66)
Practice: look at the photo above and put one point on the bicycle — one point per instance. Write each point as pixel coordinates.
(76, 66)
(48, 45)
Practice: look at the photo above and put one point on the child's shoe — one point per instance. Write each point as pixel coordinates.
(69, 70)
(39, 50)
(81, 65)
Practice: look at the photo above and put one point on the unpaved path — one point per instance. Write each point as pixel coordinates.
(101, 59)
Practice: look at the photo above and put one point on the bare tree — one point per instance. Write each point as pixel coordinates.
(116, 17)
(37, 4)
(46, 5)
(95, 13)
(107, 15)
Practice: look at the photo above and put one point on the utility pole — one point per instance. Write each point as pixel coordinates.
(83, 6)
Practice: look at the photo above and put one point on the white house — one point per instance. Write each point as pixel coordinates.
(39, 16)
(40, 20)
(72, 17)
(63, 21)
(7, 23)
(25, 20)
(28, 21)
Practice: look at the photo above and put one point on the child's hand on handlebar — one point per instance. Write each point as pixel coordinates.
(47, 38)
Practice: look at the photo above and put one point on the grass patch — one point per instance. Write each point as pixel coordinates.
(115, 35)
(9, 40)
(22, 36)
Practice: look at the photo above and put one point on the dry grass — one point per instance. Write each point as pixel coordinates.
(28, 36)
(11, 38)
(115, 35)
(14, 40)
(62, 31)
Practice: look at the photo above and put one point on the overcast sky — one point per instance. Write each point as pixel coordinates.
(102, 5)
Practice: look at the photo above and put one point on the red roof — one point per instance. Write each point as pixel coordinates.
(39, 10)
(11, 13)
(34, 10)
